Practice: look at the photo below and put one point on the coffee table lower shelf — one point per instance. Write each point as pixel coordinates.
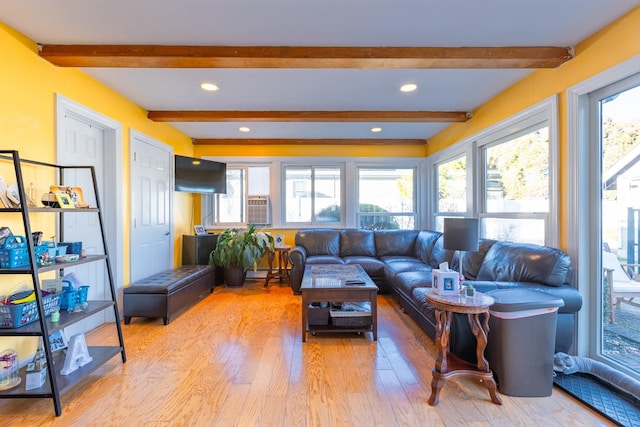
(330, 328)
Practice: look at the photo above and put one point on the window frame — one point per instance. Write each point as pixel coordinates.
(349, 190)
(544, 113)
(454, 154)
(313, 167)
(414, 214)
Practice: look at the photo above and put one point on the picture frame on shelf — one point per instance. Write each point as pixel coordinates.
(58, 341)
(200, 230)
(64, 200)
(52, 285)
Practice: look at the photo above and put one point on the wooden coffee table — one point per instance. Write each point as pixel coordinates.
(329, 283)
(449, 365)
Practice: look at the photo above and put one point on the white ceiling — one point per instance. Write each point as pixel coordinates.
(361, 23)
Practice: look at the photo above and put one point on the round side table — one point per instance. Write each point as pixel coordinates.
(449, 365)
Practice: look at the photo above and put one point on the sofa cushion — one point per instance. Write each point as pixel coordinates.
(525, 262)
(395, 242)
(471, 261)
(371, 265)
(319, 242)
(354, 242)
(394, 267)
(419, 299)
(324, 259)
(407, 281)
(439, 254)
(425, 241)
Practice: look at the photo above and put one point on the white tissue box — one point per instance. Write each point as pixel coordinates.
(445, 282)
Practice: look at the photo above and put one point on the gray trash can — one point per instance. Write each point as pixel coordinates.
(521, 341)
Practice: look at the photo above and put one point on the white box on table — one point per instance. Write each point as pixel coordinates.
(445, 282)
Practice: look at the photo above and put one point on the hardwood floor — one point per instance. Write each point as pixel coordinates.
(236, 359)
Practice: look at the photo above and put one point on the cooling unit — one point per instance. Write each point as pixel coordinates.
(258, 210)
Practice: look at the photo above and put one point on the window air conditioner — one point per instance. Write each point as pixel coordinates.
(258, 210)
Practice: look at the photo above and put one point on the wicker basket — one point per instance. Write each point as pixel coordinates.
(351, 321)
(351, 315)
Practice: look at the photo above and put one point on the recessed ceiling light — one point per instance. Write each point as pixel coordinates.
(408, 87)
(376, 129)
(209, 86)
(244, 129)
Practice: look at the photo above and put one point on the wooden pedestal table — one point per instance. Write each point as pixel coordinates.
(449, 365)
(281, 255)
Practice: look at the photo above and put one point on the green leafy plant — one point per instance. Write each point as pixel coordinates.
(241, 247)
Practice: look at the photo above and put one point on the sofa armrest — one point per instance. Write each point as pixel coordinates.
(297, 258)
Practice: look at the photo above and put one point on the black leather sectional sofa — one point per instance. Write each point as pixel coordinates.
(401, 262)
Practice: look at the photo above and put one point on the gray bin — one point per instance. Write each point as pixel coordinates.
(522, 336)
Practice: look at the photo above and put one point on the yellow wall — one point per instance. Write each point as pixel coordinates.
(313, 150)
(28, 85)
(612, 45)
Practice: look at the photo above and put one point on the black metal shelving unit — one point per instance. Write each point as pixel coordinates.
(56, 383)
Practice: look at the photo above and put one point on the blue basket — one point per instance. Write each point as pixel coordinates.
(70, 298)
(16, 315)
(14, 252)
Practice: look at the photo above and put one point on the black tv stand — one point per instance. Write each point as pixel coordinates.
(196, 250)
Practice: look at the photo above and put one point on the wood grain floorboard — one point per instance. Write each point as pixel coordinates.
(236, 358)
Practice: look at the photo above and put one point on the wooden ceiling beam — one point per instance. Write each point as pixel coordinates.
(311, 116)
(294, 141)
(155, 56)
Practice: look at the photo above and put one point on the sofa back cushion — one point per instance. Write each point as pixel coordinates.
(439, 254)
(395, 242)
(319, 241)
(472, 261)
(525, 262)
(425, 242)
(357, 242)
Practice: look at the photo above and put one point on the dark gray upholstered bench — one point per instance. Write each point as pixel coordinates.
(164, 293)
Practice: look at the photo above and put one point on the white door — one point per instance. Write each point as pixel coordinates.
(151, 225)
(83, 145)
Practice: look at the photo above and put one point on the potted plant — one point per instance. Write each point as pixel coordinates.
(238, 250)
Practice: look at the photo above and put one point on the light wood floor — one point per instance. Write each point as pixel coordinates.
(236, 359)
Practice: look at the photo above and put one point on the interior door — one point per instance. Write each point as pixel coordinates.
(151, 230)
(83, 145)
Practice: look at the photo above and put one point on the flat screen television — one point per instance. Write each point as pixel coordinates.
(200, 176)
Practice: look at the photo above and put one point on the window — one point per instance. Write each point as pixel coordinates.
(231, 206)
(452, 191)
(506, 177)
(243, 182)
(386, 198)
(313, 195)
(347, 193)
(516, 187)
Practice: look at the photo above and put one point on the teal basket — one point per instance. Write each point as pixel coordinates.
(70, 298)
(15, 316)
(14, 252)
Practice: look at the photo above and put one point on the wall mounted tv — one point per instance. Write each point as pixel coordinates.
(200, 176)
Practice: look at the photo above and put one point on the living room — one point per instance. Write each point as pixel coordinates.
(30, 85)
